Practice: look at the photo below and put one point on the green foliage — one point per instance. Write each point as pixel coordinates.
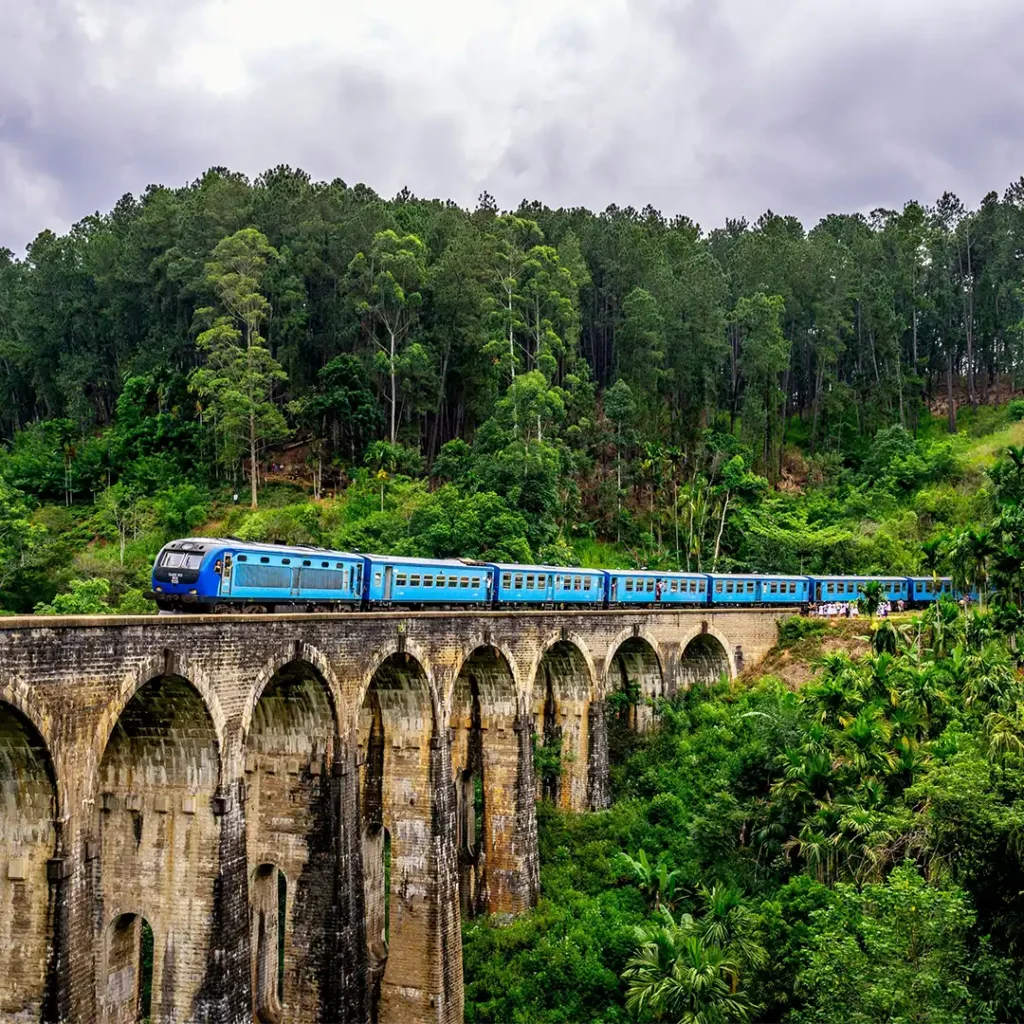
(85, 597)
(898, 950)
(799, 627)
(842, 853)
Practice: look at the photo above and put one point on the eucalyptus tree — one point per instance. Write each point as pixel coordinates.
(239, 375)
(387, 282)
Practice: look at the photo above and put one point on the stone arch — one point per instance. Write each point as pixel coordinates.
(560, 703)
(292, 823)
(126, 995)
(406, 652)
(158, 832)
(704, 658)
(166, 664)
(299, 652)
(28, 838)
(412, 926)
(635, 669)
(478, 643)
(493, 786)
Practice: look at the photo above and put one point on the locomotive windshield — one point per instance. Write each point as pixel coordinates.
(181, 560)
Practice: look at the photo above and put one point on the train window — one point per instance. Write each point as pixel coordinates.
(464, 582)
(729, 586)
(718, 586)
(264, 560)
(376, 579)
(242, 558)
(428, 581)
(629, 585)
(529, 583)
(750, 586)
(306, 561)
(575, 583)
(286, 561)
(400, 579)
(414, 581)
(519, 582)
(453, 581)
(440, 580)
(792, 588)
(326, 565)
(172, 560)
(506, 579)
(338, 565)
(650, 586)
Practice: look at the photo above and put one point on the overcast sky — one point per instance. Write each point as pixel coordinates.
(711, 108)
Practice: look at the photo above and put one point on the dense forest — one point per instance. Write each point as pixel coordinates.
(547, 384)
(303, 362)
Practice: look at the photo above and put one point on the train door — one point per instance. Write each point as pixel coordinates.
(388, 573)
(226, 575)
(296, 587)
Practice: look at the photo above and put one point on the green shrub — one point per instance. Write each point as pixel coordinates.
(797, 628)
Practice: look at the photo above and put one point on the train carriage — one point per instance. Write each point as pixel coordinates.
(928, 589)
(851, 588)
(641, 587)
(547, 585)
(748, 588)
(394, 579)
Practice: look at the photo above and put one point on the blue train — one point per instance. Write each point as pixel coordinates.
(201, 574)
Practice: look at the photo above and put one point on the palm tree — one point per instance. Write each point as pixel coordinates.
(969, 557)
(873, 595)
(1004, 733)
(674, 976)
(653, 879)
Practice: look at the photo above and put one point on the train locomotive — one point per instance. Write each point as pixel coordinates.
(206, 574)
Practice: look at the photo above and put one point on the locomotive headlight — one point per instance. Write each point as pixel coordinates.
(159, 590)
(191, 591)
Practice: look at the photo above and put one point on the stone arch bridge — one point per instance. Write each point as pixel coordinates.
(228, 818)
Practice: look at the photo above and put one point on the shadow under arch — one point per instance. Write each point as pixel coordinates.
(159, 834)
(704, 659)
(635, 678)
(292, 824)
(412, 931)
(28, 839)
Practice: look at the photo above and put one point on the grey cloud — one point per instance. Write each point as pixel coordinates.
(692, 110)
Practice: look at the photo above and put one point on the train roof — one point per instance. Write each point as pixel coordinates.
(452, 563)
(206, 543)
(666, 574)
(754, 576)
(518, 567)
(859, 579)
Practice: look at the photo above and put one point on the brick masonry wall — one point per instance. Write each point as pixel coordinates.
(152, 767)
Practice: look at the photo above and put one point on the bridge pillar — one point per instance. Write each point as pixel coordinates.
(598, 784)
(408, 825)
(487, 765)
